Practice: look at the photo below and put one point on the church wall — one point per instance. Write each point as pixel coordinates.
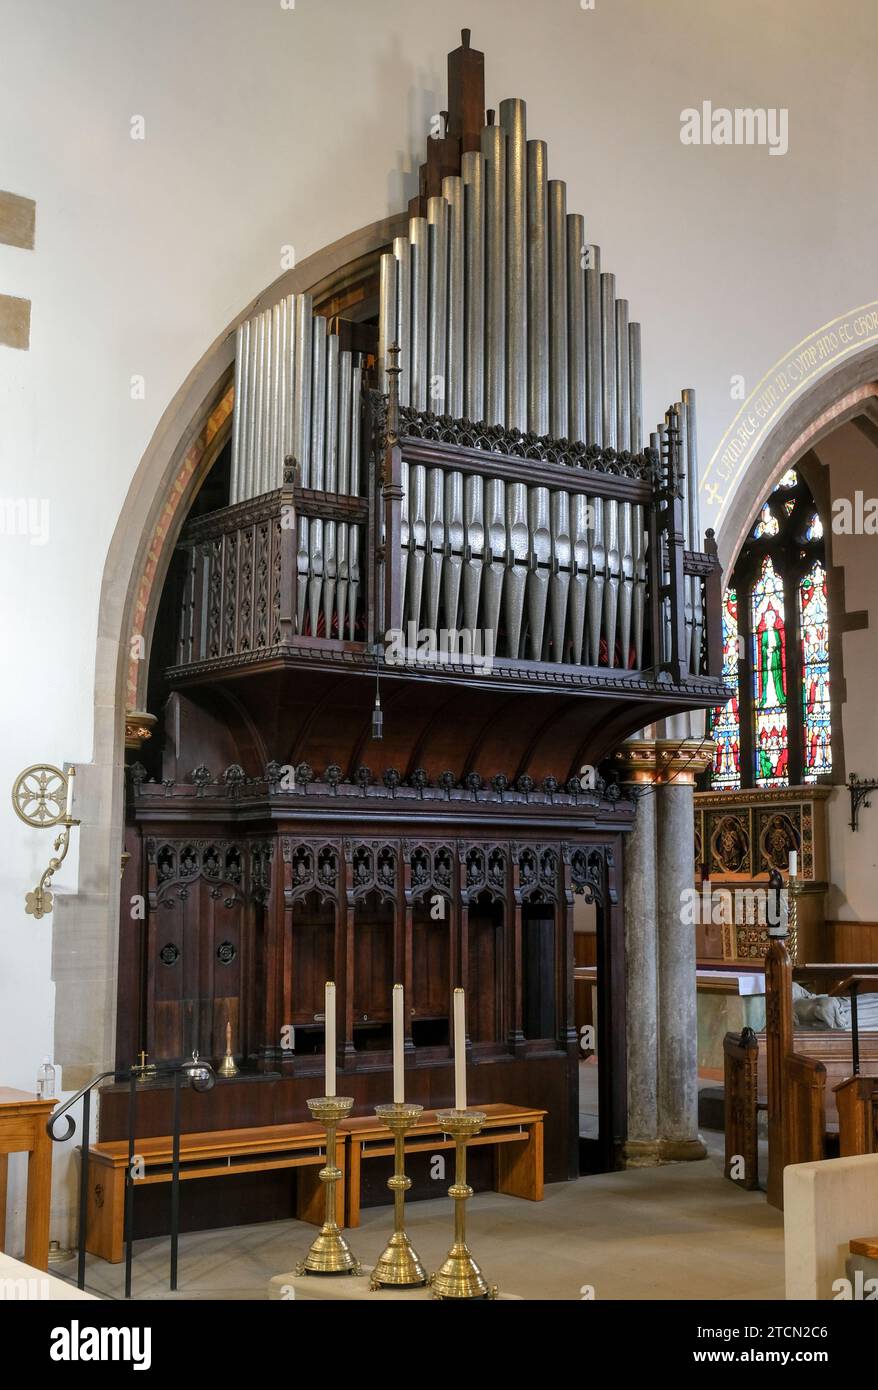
(853, 859)
(267, 127)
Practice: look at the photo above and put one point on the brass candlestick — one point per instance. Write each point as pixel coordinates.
(330, 1252)
(398, 1266)
(793, 919)
(459, 1276)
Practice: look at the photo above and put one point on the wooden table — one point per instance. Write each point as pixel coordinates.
(516, 1130)
(23, 1119)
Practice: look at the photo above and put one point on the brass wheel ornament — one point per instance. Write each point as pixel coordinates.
(42, 796)
(36, 791)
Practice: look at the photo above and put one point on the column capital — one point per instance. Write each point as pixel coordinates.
(661, 760)
(138, 727)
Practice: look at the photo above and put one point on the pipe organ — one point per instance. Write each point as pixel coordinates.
(503, 317)
(466, 457)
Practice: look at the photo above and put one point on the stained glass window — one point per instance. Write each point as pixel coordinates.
(789, 479)
(769, 678)
(776, 728)
(725, 724)
(814, 624)
(767, 525)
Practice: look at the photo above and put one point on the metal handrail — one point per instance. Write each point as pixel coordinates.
(201, 1077)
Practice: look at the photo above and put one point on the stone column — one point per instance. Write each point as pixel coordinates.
(641, 979)
(662, 1026)
(677, 1002)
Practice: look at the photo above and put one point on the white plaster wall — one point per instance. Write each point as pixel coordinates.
(268, 126)
(852, 461)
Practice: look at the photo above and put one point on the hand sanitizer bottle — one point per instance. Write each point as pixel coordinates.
(46, 1080)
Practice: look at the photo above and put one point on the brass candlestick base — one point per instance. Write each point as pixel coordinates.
(398, 1266)
(330, 1252)
(459, 1276)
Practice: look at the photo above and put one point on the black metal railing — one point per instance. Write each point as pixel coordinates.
(201, 1077)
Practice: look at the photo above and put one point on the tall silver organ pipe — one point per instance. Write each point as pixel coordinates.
(537, 289)
(387, 314)
(452, 191)
(401, 250)
(608, 357)
(239, 417)
(576, 373)
(513, 119)
(419, 251)
(694, 526)
(636, 380)
(558, 300)
(437, 219)
(623, 377)
(472, 171)
(594, 350)
(494, 151)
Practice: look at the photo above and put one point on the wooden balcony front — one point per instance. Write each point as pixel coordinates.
(621, 613)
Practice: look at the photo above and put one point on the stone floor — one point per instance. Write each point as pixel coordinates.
(675, 1232)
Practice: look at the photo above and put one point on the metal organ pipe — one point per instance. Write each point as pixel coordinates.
(472, 167)
(537, 289)
(403, 316)
(636, 387)
(452, 191)
(494, 151)
(437, 219)
(576, 369)
(420, 261)
(608, 358)
(623, 377)
(594, 349)
(558, 299)
(387, 315)
(239, 417)
(513, 119)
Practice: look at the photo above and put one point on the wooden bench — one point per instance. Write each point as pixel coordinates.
(220, 1153)
(857, 1103)
(515, 1130)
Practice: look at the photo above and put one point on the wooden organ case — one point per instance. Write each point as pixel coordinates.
(444, 503)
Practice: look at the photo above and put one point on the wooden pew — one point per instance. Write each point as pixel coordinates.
(857, 1103)
(220, 1153)
(741, 1066)
(802, 1065)
(796, 1083)
(515, 1130)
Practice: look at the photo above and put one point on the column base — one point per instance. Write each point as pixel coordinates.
(652, 1153)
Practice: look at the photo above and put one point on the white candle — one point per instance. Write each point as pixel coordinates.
(794, 863)
(71, 773)
(398, 1041)
(329, 1026)
(459, 1050)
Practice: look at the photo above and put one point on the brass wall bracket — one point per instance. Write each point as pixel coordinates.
(42, 796)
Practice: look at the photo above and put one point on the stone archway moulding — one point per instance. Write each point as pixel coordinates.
(190, 434)
(825, 379)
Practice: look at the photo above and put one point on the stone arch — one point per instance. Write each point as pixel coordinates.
(846, 390)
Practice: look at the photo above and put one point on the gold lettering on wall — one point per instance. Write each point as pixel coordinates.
(788, 378)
